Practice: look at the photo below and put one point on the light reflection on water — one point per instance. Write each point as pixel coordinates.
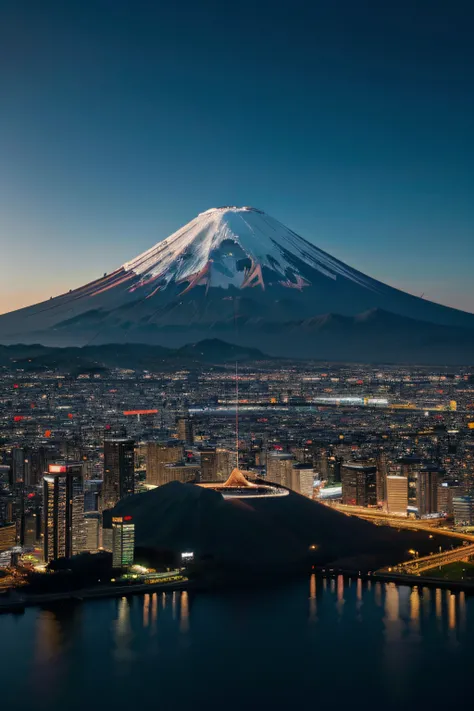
(122, 637)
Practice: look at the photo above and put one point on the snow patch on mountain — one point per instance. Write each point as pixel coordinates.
(201, 252)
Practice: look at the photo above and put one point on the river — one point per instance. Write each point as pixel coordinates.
(342, 642)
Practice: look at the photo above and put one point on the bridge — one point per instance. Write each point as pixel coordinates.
(416, 566)
(378, 517)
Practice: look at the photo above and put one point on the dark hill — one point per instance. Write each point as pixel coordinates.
(262, 534)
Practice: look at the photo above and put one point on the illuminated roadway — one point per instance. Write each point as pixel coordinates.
(378, 517)
(421, 565)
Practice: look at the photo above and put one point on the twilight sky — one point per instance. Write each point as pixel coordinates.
(352, 122)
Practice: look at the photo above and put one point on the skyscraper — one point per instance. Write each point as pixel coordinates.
(410, 468)
(226, 462)
(397, 495)
(158, 455)
(381, 462)
(359, 484)
(302, 479)
(279, 468)
(463, 507)
(209, 464)
(63, 503)
(123, 541)
(119, 471)
(427, 491)
(185, 430)
(92, 531)
(19, 465)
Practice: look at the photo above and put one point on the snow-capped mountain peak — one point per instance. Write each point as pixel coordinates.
(226, 246)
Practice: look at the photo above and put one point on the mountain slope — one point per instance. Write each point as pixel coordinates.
(239, 274)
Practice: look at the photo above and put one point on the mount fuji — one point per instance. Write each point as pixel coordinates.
(237, 274)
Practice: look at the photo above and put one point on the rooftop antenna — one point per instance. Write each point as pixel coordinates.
(237, 412)
(236, 389)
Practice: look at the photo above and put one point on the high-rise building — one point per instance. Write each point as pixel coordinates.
(158, 455)
(38, 464)
(427, 491)
(92, 532)
(92, 493)
(381, 463)
(63, 504)
(410, 468)
(226, 462)
(359, 484)
(185, 430)
(123, 541)
(397, 495)
(19, 465)
(31, 532)
(446, 493)
(463, 507)
(209, 464)
(302, 479)
(279, 468)
(119, 471)
(7, 536)
(181, 472)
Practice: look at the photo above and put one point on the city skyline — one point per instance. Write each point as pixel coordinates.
(352, 126)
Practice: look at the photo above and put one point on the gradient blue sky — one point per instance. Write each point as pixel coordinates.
(351, 121)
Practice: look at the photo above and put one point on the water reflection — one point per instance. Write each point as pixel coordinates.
(451, 600)
(340, 593)
(462, 610)
(378, 594)
(154, 609)
(123, 631)
(312, 598)
(184, 612)
(415, 609)
(393, 625)
(146, 610)
(439, 606)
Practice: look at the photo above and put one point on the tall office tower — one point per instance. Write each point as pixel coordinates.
(63, 505)
(279, 468)
(185, 430)
(180, 472)
(92, 532)
(381, 463)
(321, 462)
(463, 507)
(123, 541)
(92, 492)
(226, 462)
(31, 530)
(427, 491)
(19, 465)
(7, 536)
(119, 471)
(158, 455)
(302, 479)
(38, 464)
(334, 469)
(6, 508)
(260, 458)
(446, 492)
(397, 495)
(209, 464)
(359, 484)
(410, 468)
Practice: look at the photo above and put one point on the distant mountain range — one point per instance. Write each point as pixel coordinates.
(127, 356)
(239, 275)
